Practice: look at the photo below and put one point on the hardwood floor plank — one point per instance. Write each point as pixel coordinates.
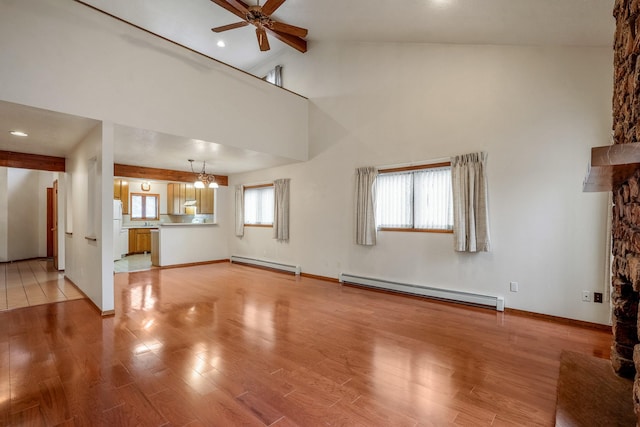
(31, 417)
(217, 408)
(261, 409)
(136, 406)
(53, 401)
(225, 345)
(176, 412)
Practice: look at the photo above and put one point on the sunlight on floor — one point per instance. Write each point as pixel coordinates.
(139, 262)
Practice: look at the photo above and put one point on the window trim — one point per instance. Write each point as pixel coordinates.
(410, 169)
(144, 206)
(252, 187)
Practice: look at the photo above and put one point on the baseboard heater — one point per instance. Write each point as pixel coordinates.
(295, 269)
(426, 291)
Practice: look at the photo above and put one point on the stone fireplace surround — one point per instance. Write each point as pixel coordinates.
(625, 354)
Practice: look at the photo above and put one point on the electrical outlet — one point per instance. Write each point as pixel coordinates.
(586, 296)
(597, 297)
(513, 286)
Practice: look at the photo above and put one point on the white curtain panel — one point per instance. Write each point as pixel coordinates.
(281, 210)
(365, 206)
(239, 210)
(470, 203)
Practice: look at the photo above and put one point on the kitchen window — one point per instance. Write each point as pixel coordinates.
(145, 206)
(417, 198)
(259, 205)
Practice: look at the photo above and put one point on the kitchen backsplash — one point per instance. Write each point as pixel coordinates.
(205, 218)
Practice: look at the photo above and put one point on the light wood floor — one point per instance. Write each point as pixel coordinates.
(33, 282)
(233, 345)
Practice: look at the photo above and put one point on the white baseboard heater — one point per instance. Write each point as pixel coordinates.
(295, 269)
(426, 291)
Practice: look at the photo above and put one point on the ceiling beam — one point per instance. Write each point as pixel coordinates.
(11, 159)
(127, 171)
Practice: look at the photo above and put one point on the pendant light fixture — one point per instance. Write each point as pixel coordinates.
(203, 179)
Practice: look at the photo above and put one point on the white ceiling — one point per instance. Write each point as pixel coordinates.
(189, 22)
(518, 22)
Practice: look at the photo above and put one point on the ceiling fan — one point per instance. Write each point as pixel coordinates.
(260, 17)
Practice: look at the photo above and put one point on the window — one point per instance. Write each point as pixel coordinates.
(274, 76)
(258, 205)
(144, 206)
(415, 199)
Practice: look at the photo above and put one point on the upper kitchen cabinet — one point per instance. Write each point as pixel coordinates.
(204, 200)
(121, 192)
(179, 194)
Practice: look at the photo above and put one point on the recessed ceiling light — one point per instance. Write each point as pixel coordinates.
(221, 43)
(18, 133)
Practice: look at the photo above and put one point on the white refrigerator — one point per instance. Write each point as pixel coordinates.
(117, 228)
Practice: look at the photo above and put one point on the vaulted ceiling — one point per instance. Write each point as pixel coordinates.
(189, 22)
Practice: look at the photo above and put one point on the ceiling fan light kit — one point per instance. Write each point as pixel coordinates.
(260, 17)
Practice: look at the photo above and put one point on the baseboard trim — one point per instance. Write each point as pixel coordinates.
(523, 313)
(193, 264)
(315, 276)
(107, 313)
(261, 267)
(558, 319)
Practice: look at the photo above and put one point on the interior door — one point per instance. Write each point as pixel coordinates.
(50, 225)
(55, 224)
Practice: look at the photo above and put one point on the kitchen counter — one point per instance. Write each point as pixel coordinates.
(188, 243)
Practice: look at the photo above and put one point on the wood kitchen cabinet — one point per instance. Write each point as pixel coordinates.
(176, 198)
(139, 240)
(121, 192)
(179, 194)
(204, 200)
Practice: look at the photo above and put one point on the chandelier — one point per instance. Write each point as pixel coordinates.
(203, 180)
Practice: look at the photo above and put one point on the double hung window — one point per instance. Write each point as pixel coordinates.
(144, 206)
(259, 205)
(415, 199)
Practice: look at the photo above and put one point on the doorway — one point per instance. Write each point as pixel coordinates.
(52, 223)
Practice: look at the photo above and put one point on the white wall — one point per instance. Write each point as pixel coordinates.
(23, 213)
(536, 111)
(64, 56)
(89, 263)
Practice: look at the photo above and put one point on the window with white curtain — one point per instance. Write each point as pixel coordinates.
(259, 205)
(415, 199)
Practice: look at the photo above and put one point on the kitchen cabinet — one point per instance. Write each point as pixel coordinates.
(204, 200)
(179, 194)
(139, 240)
(121, 192)
(177, 197)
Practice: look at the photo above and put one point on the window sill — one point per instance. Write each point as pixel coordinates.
(417, 230)
(259, 225)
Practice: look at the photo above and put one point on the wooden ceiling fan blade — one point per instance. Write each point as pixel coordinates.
(230, 27)
(241, 6)
(225, 5)
(297, 43)
(271, 5)
(262, 39)
(289, 29)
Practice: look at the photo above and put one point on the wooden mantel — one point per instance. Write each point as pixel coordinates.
(611, 166)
